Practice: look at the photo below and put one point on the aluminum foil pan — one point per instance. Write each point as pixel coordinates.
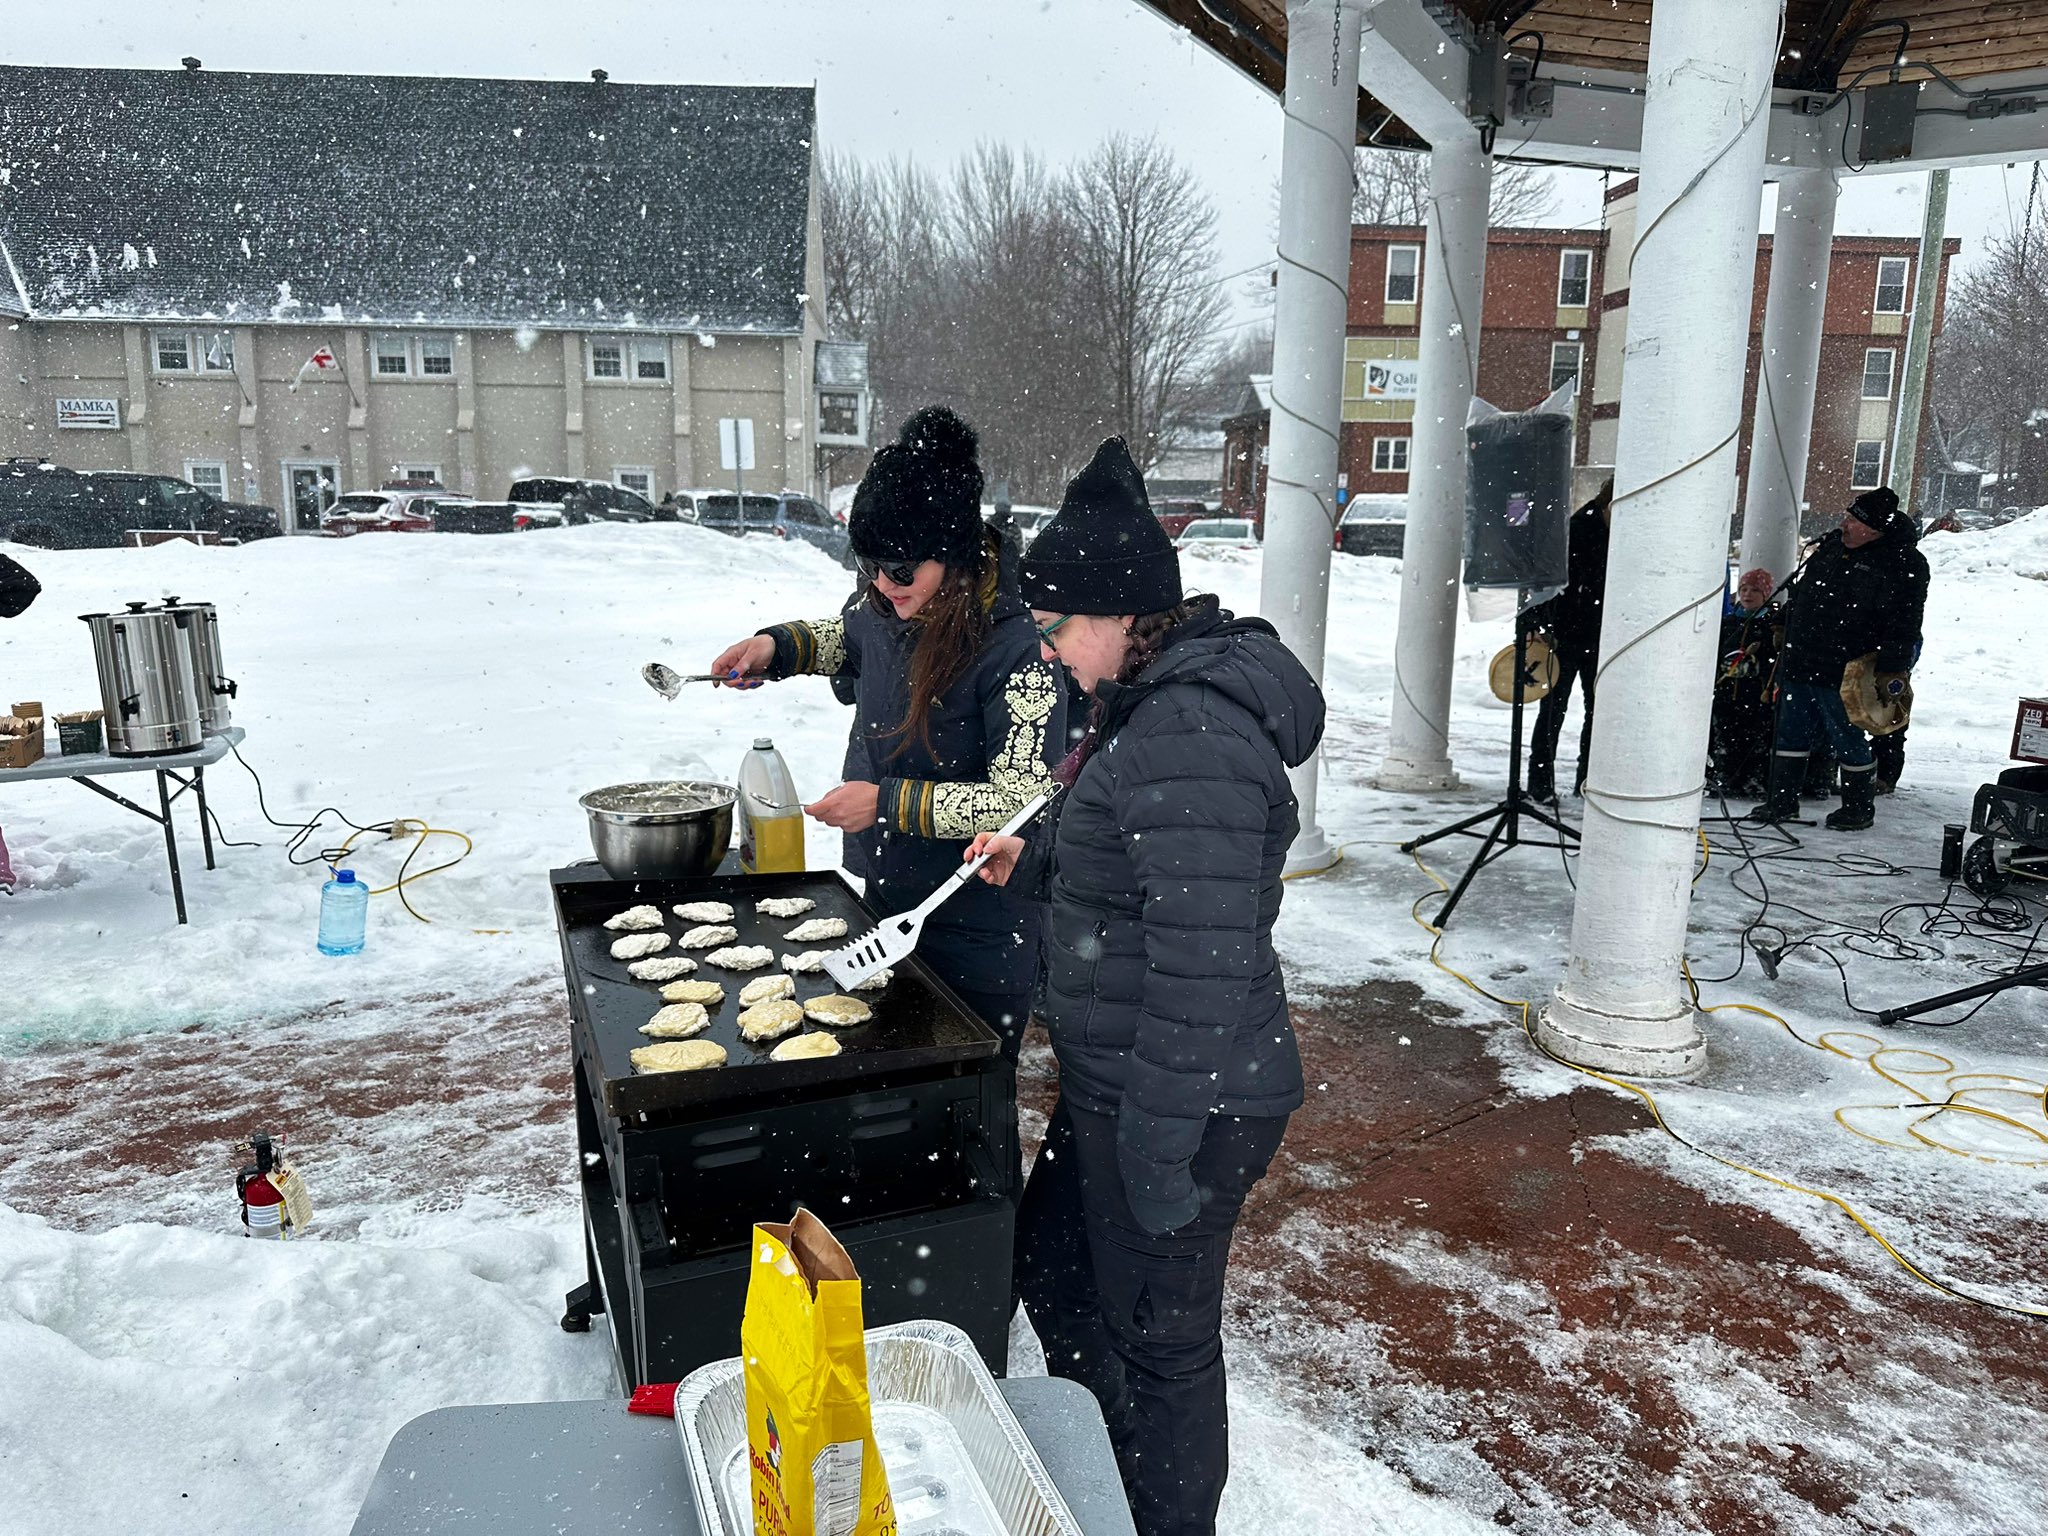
(958, 1461)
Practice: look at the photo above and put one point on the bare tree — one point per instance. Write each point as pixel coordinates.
(1391, 186)
(1991, 362)
(1147, 249)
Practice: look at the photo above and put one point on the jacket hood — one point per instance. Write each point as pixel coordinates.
(1245, 661)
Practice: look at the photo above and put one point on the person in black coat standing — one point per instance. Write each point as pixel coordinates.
(1572, 620)
(17, 590)
(1178, 1067)
(1862, 590)
(958, 720)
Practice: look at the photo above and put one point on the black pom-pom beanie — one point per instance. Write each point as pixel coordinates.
(921, 497)
(1104, 553)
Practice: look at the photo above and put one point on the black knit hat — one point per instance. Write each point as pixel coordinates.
(1875, 509)
(1105, 553)
(921, 497)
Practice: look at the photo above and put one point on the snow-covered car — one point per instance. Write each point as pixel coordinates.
(1373, 525)
(786, 516)
(1218, 533)
(391, 510)
(576, 501)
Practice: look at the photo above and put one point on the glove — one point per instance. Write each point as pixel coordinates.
(1163, 1199)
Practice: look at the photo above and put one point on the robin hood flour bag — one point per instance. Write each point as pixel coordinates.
(810, 1436)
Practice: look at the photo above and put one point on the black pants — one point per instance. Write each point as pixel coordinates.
(1550, 725)
(1138, 1319)
(1890, 752)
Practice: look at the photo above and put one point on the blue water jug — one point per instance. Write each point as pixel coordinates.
(344, 913)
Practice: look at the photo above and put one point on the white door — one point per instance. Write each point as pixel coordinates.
(309, 490)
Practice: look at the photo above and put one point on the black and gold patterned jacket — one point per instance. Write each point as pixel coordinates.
(995, 736)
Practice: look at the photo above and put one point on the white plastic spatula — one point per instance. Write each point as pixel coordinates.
(895, 937)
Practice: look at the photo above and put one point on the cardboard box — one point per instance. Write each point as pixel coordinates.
(2030, 731)
(21, 737)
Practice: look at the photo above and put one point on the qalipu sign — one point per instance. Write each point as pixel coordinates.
(1391, 378)
(95, 415)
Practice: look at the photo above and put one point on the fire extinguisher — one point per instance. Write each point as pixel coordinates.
(265, 1188)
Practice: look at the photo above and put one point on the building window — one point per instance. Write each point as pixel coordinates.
(1877, 373)
(1574, 279)
(217, 352)
(607, 359)
(393, 357)
(173, 352)
(650, 359)
(420, 474)
(1390, 455)
(1404, 272)
(639, 481)
(1868, 473)
(437, 356)
(210, 475)
(1891, 286)
(1565, 360)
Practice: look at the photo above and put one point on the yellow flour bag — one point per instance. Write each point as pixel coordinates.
(810, 1436)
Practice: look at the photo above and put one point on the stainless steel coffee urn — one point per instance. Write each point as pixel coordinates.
(147, 686)
(215, 686)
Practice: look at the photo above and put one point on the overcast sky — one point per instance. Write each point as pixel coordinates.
(922, 78)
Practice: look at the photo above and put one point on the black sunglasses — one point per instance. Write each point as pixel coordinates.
(901, 572)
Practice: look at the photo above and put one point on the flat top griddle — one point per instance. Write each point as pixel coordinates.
(918, 1021)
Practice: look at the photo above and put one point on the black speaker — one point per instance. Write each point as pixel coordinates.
(1518, 499)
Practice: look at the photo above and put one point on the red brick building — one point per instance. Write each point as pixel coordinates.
(1556, 307)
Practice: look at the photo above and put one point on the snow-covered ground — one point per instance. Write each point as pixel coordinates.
(481, 685)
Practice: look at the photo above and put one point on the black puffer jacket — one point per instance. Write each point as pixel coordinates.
(1164, 995)
(17, 588)
(995, 735)
(1849, 602)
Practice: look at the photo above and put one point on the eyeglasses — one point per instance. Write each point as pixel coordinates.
(901, 572)
(1047, 631)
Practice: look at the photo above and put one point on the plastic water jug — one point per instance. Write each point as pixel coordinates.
(771, 816)
(344, 913)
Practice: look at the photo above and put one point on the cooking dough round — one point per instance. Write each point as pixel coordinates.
(679, 1056)
(784, 906)
(706, 994)
(637, 946)
(741, 957)
(811, 960)
(704, 912)
(678, 1021)
(635, 920)
(708, 937)
(771, 1020)
(803, 1047)
(840, 1012)
(765, 989)
(817, 928)
(666, 968)
(876, 982)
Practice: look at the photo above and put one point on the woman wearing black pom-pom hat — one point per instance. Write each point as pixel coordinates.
(957, 719)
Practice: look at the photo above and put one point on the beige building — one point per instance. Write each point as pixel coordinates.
(459, 280)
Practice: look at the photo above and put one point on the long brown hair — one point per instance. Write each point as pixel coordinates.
(953, 627)
(1148, 633)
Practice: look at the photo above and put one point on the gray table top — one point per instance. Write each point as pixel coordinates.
(567, 1469)
(93, 765)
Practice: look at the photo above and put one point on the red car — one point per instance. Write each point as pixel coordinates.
(1174, 516)
(408, 509)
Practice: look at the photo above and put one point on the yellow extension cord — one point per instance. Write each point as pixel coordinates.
(1952, 1103)
(425, 832)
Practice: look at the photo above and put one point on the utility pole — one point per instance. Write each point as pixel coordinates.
(1919, 339)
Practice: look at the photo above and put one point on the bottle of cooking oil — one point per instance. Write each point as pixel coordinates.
(771, 817)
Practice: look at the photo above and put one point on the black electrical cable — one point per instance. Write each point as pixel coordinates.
(303, 830)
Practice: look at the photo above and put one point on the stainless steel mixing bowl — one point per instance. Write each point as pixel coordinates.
(660, 830)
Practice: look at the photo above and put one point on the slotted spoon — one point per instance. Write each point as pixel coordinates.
(895, 937)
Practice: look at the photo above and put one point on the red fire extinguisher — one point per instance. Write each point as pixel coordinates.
(273, 1199)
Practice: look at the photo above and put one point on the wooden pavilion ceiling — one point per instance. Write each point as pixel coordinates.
(1827, 42)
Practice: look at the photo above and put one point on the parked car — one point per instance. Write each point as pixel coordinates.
(580, 501)
(50, 507)
(1373, 525)
(1174, 516)
(1031, 521)
(785, 515)
(1218, 533)
(163, 501)
(457, 515)
(394, 509)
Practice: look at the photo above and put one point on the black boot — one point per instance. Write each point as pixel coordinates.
(1859, 796)
(1781, 802)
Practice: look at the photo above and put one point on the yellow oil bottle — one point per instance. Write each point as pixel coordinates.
(771, 816)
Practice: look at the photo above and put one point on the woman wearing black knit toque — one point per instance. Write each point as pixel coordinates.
(1178, 1067)
(957, 718)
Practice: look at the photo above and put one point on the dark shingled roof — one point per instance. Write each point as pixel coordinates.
(148, 193)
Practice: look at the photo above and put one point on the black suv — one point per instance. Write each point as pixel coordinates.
(582, 501)
(48, 507)
(159, 501)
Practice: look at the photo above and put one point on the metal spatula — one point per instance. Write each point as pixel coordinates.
(668, 682)
(895, 937)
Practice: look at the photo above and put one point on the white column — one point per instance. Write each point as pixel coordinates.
(1905, 478)
(1426, 637)
(1802, 238)
(1622, 1004)
(1308, 350)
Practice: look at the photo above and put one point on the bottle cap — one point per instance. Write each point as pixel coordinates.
(763, 744)
(345, 876)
